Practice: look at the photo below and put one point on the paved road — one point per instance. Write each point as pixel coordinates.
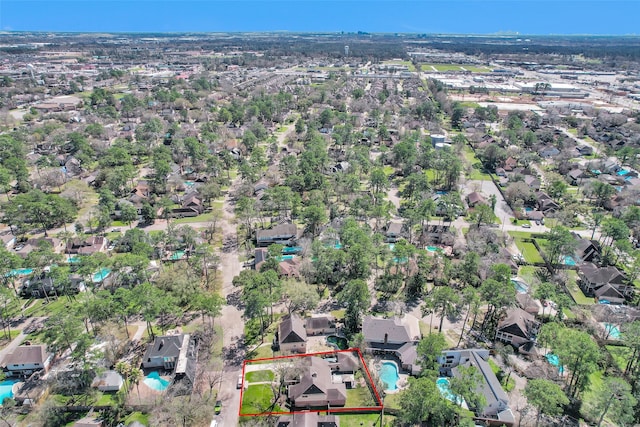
(231, 322)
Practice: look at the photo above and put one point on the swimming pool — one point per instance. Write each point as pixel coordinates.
(622, 172)
(101, 275)
(155, 382)
(177, 255)
(284, 257)
(612, 330)
(554, 360)
(291, 249)
(389, 375)
(445, 391)
(432, 248)
(521, 287)
(569, 260)
(19, 272)
(6, 389)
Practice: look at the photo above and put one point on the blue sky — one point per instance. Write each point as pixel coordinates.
(616, 17)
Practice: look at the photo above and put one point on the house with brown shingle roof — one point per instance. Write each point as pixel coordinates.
(26, 359)
(593, 278)
(517, 328)
(316, 387)
(397, 337)
(292, 335)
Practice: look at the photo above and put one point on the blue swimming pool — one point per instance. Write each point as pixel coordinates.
(155, 382)
(284, 257)
(101, 275)
(432, 248)
(291, 249)
(389, 375)
(569, 260)
(19, 272)
(613, 331)
(445, 391)
(554, 360)
(6, 389)
(622, 172)
(521, 287)
(177, 255)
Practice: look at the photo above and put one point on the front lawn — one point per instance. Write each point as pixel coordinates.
(257, 399)
(260, 376)
(365, 420)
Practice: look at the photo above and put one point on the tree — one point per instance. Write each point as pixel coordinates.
(483, 214)
(209, 304)
(357, 299)
(471, 299)
(498, 295)
(546, 396)
(128, 213)
(615, 400)
(36, 208)
(465, 386)
(315, 216)
(560, 244)
(444, 301)
(298, 296)
(429, 350)
(580, 353)
(423, 404)
(544, 292)
(135, 376)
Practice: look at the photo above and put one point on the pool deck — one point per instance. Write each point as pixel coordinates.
(403, 380)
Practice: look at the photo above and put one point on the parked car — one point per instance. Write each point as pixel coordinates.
(218, 408)
(526, 225)
(239, 385)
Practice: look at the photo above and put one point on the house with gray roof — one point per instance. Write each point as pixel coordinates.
(593, 278)
(316, 388)
(174, 353)
(108, 381)
(396, 337)
(283, 234)
(292, 335)
(320, 324)
(497, 402)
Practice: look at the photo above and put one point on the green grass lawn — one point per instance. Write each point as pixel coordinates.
(200, 218)
(338, 314)
(529, 251)
(260, 376)
(455, 67)
(388, 170)
(620, 355)
(575, 291)
(528, 274)
(40, 307)
(256, 399)
(573, 131)
(358, 397)
(368, 420)
(139, 417)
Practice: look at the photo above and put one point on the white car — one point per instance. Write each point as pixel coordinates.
(239, 385)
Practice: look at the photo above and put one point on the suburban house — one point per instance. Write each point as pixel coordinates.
(27, 359)
(290, 268)
(546, 204)
(193, 200)
(438, 234)
(533, 182)
(497, 402)
(88, 246)
(316, 387)
(108, 381)
(576, 176)
(474, 198)
(517, 328)
(586, 250)
(283, 234)
(259, 257)
(89, 421)
(308, 419)
(396, 336)
(548, 152)
(8, 240)
(174, 353)
(593, 278)
(292, 335)
(393, 232)
(510, 164)
(320, 324)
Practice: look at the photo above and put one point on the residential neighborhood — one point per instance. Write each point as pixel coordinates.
(318, 230)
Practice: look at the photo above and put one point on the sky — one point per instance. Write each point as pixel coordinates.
(609, 17)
